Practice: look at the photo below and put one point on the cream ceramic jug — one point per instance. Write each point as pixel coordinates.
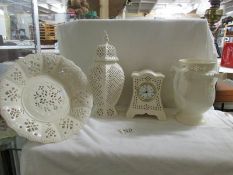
(194, 89)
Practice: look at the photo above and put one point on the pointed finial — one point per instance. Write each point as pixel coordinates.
(106, 36)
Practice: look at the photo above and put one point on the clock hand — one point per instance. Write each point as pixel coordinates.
(144, 89)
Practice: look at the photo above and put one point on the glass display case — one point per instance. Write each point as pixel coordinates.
(28, 26)
(17, 29)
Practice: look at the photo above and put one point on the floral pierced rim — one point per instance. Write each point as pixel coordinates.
(45, 98)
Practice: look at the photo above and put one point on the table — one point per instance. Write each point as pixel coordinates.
(222, 69)
(138, 146)
(225, 70)
(224, 89)
(224, 92)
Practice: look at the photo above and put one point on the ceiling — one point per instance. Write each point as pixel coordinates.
(14, 6)
(228, 6)
(44, 6)
(115, 6)
(52, 6)
(147, 6)
(140, 6)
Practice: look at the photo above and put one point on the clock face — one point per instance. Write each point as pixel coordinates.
(146, 91)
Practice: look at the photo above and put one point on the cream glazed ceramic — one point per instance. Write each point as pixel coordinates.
(146, 97)
(5, 131)
(107, 80)
(194, 89)
(45, 98)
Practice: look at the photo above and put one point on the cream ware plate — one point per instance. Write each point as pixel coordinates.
(45, 98)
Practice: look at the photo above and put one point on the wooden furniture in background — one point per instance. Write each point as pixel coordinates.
(47, 34)
(224, 92)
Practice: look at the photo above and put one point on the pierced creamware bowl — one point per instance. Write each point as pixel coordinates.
(45, 98)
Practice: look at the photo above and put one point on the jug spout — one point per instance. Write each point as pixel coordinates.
(177, 69)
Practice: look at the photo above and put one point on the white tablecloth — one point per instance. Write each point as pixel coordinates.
(140, 44)
(138, 146)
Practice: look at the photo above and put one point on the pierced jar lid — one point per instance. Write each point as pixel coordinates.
(106, 52)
